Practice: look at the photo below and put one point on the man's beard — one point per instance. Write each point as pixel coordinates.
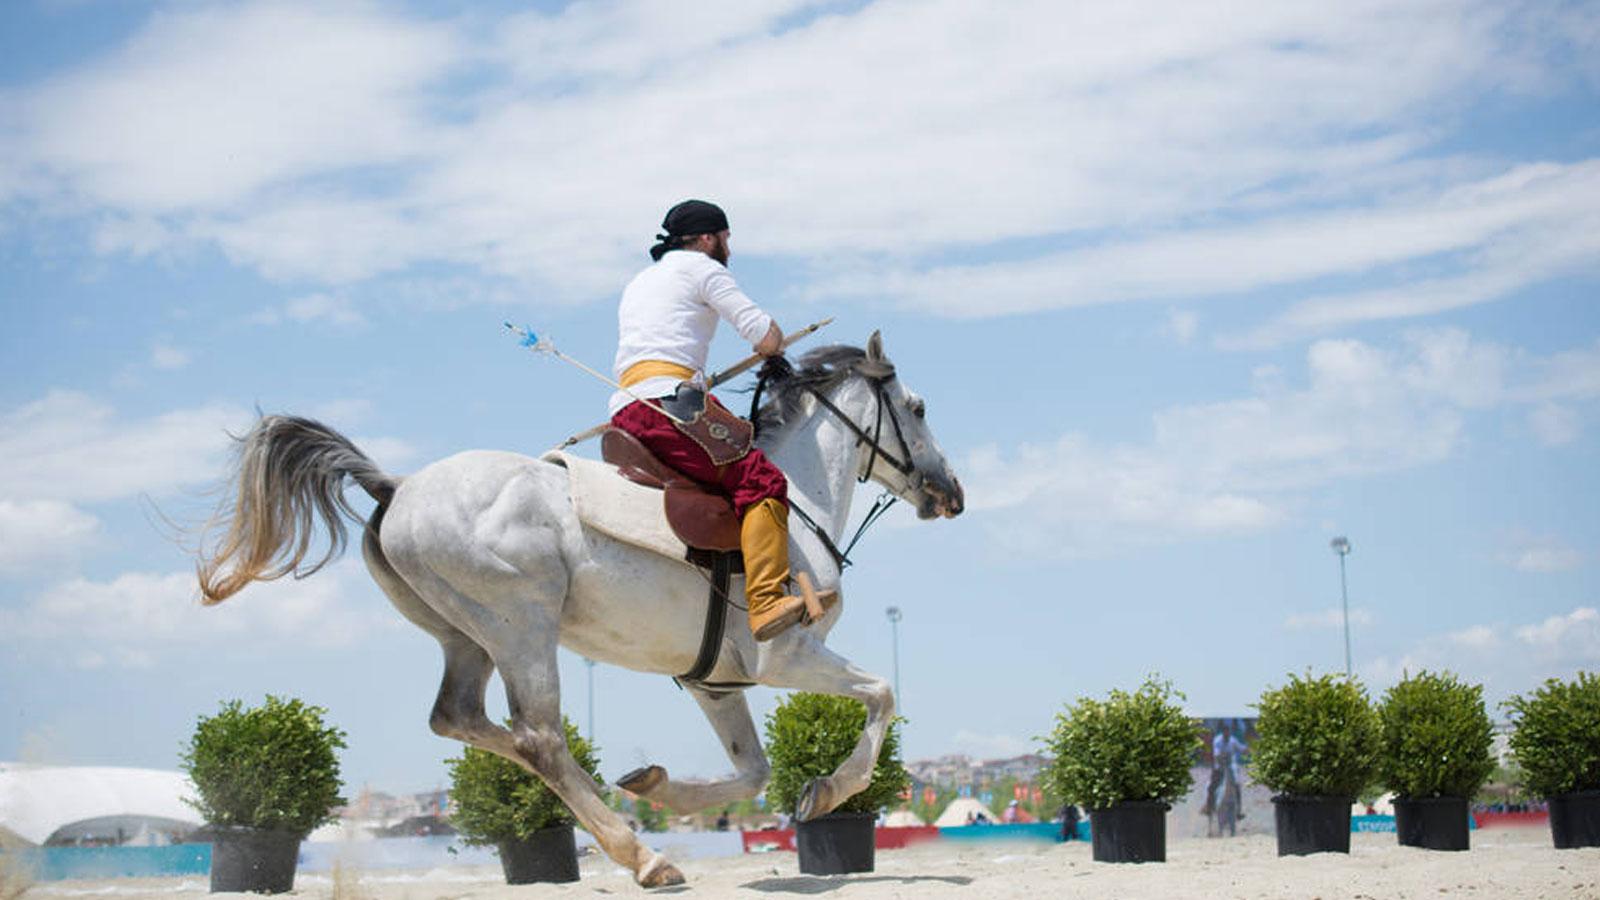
(719, 250)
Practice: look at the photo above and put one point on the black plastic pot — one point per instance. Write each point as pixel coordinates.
(1432, 823)
(548, 856)
(836, 844)
(1575, 820)
(252, 860)
(1312, 824)
(1133, 831)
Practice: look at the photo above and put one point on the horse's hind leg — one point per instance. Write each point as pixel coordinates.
(458, 712)
(805, 664)
(729, 714)
(527, 662)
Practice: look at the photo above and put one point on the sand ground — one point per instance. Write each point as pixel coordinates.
(1503, 863)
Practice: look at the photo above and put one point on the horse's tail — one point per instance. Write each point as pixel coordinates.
(288, 470)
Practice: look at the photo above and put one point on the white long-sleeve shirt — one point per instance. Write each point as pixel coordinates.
(669, 312)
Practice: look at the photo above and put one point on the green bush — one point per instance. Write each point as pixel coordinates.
(271, 767)
(810, 735)
(1137, 746)
(1436, 738)
(1316, 737)
(497, 800)
(1557, 736)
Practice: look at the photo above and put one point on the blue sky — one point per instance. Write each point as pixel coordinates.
(1188, 292)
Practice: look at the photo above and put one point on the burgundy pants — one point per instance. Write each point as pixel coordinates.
(748, 480)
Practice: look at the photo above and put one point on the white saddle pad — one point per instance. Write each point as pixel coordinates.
(617, 507)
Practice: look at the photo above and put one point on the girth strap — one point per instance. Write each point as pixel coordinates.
(724, 565)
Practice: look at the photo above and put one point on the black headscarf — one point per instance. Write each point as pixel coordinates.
(686, 220)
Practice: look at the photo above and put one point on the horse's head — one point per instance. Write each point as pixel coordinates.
(908, 461)
(862, 390)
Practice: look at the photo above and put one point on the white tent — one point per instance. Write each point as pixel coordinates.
(1383, 806)
(903, 818)
(36, 801)
(961, 809)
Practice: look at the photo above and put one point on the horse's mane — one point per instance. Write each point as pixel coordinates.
(821, 369)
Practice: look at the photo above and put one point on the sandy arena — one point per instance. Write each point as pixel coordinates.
(1503, 863)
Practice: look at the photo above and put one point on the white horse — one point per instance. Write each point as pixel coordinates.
(485, 552)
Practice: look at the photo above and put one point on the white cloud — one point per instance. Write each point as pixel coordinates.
(136, 618)
(990, 746)
(68, 446)
(1236, 465)
(1182, 325)
(1244, 464)
(390, 454)
(1478, 637)
(35, 532)
(1574, 637)
(168, 357)
(1327, 618)
(205, 106)
(1571, 375)
(1542, 554)
(1505, 658)
(312, 308)
(1127, 132)
(1545, 211)
(1555, 425)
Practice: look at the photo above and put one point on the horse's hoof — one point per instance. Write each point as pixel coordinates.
(642, 781)
(659, 873)
(809, 806)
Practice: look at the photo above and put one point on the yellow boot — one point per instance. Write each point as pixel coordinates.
(764, 538)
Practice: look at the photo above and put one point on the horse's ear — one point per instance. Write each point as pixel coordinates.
(876, 365)
(875, 347)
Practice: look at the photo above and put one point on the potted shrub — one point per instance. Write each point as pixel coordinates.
(1317, 746)
(1435, 755)
(809, 736)
(1557, 745)
(1125, 759)
(499, 802)
(264, 777)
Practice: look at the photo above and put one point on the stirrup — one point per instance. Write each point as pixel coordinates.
(817, 603)
(787, 612)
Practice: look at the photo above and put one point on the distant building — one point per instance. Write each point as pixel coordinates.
(960, 771)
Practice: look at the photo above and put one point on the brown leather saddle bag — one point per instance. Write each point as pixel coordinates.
(702, 519)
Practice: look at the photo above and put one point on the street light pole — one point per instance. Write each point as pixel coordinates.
(893, 613)
(590, 663)
(1341, 546)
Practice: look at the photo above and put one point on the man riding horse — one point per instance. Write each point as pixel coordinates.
(666, 321)
(494, 555)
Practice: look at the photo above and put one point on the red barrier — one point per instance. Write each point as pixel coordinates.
(771, 839)
(1498, 819)
(896, 838)
(884, 838)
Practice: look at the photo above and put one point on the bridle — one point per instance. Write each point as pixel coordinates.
(873, 441)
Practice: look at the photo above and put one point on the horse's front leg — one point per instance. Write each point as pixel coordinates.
(729, 714)
(798, 660)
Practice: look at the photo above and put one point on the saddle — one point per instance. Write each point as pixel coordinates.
(701, 519)
(704, 521)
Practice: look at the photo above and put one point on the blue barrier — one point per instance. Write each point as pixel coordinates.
(1386, 824)
(57, 863)
(1013, 831)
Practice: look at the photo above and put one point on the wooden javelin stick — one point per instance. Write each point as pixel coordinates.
(726, 375)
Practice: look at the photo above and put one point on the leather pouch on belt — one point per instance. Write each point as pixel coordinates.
(724, 436)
